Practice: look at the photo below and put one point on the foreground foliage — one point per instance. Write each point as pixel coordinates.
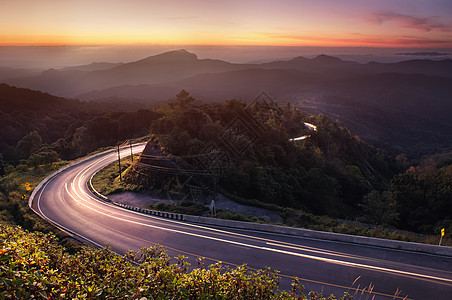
(33, 265)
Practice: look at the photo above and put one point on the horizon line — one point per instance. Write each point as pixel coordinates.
(378, 46)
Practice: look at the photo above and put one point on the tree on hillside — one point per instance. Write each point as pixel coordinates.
(83, 141)
(423, 195)
(329, 172)
(43, 158)
(379, 208)
(2, 165)
(29, 144)
(183, 99)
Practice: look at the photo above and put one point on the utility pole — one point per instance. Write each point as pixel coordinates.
(119, 165)
(131, 153)
(215, 170)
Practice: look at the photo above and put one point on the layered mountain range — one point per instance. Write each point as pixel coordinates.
(402, 106)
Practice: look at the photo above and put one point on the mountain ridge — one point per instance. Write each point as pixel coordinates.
(180, 54)
(180, 64)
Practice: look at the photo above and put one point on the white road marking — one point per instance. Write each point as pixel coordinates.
(85, 197)
(329, 260)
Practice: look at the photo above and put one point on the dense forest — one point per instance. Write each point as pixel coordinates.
(249, 151)
(324, 173)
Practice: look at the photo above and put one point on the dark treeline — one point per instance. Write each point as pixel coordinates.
(39, 128)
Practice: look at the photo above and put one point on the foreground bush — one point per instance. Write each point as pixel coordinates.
(34, 266)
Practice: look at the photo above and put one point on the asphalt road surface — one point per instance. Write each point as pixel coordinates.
(322, 265)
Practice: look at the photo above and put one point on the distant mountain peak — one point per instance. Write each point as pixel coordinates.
(324, 57)
(299, 58)
(180, 54)
(180, 51)
(50, 71)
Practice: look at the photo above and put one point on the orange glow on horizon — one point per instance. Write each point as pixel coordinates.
(275, 41)
(327, 23)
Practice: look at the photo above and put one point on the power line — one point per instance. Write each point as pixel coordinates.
(172, 170)
(119, 165)
(182, 156)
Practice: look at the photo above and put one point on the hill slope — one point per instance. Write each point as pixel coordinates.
(70, 127)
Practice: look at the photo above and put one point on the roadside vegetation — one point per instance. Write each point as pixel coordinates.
(15, 190)
(34, 265)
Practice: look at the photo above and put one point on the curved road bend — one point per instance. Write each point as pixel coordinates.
(323, 265)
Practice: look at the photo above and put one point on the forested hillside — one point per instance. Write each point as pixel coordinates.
(41, 127)
(250, 152)
(424, 195)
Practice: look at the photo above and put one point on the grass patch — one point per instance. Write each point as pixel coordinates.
(16, 188)
(107, 180)
(228, 215)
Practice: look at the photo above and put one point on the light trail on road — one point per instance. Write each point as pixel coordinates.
(334, 261)
(67, 202)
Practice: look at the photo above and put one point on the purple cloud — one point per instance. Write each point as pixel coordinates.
(417, 23)
(365, 39)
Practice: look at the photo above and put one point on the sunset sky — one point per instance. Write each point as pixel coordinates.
(380, 23)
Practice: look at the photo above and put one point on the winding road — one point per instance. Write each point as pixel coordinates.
(322, 265)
